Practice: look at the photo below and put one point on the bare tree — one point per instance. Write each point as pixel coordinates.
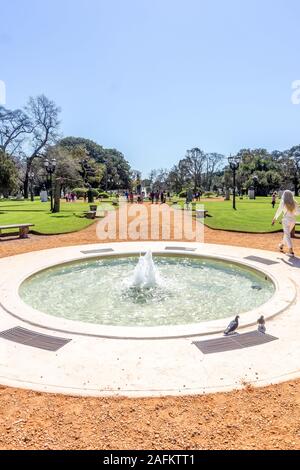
(192, 166)
(43, 115)
(14, 126)
(159, 179)
(176, 178)
(214, 162)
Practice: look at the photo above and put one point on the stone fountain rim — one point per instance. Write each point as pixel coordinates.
(26, 265)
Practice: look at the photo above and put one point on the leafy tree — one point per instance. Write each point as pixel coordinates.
(261, 164)
(67, 171)
(290, 168)
(115, 169)
(8, 174)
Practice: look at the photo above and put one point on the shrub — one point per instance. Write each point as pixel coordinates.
(208, 194)
(182, 194)
(80, 192)
(103, 195)
(95, 192)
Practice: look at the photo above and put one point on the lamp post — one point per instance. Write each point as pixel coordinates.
(31, 177)
(234, 162)
(255, 181)
(50, 166)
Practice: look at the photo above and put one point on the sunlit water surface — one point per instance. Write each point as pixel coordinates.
(190, 290)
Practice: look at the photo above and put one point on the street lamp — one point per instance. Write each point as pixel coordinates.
(50, 166)
(234, 162)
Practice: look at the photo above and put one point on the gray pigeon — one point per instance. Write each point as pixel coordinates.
(232, 326)
(261, 324)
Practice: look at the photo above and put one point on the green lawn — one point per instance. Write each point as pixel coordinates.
(250, 216)
(70, 219)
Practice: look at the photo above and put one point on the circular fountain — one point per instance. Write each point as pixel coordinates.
(132, 320)
(130, 291)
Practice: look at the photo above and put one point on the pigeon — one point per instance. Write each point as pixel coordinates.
(261, 324)
(232, 326)
(256, 287)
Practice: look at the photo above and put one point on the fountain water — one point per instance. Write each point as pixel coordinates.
(145, 273)
(137, 292)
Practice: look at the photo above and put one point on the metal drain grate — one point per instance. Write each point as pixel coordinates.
(230, 343)
(102, 250)
(181, 248)
(261, 260)
(34, 339)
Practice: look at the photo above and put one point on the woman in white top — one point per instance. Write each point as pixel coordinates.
(289, 207)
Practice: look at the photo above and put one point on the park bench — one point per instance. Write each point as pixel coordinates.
(90, 214)
(294, 230)
(23, 229)
(201, 213)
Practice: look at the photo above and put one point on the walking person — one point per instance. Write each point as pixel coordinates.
(273, 200)
(290, 209)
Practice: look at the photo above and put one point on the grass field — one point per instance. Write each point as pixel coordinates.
(251, 215)
(70, 219)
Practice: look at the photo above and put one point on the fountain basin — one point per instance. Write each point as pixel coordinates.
(115, 291)
(282, 289)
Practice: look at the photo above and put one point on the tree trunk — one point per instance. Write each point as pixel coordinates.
(90, 196)
(227, 195)
(296, 184)
(57, 192)
(26, 180)
(26, 184)
(31, 192)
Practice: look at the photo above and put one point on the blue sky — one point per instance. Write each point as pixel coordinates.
(156, 77)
